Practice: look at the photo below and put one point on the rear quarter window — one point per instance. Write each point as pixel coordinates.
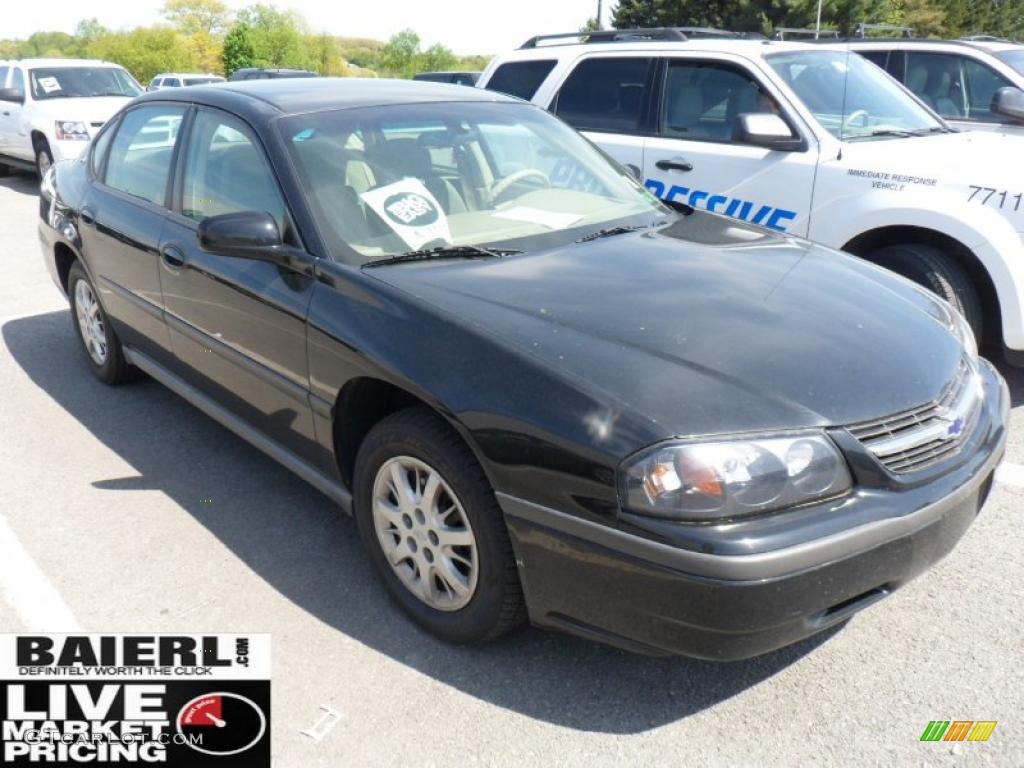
(520, 78)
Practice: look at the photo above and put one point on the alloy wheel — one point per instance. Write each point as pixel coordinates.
(90, 322)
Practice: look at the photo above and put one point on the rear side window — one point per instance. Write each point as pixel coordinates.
(3, 76)
(141, 152)
(606, 94)
(520, 78)
(876, 57)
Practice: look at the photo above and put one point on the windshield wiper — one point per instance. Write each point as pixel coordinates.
(445, 252)
(611, 232)
(898, 132)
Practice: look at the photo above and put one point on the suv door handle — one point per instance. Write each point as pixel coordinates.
(173, 257)
(674, 165)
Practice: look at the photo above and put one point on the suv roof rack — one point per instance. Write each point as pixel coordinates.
(818, 34)
(863, 29)
(672, 34)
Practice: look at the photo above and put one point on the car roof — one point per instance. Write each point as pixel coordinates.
(747, 48)
(185, 74)
(63, 63)
(290, 96)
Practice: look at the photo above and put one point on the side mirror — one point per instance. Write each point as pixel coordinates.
(251, 235)
(1009, 102)
(12, 94)
(763, 129)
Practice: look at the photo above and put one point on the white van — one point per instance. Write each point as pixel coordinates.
(800, 138)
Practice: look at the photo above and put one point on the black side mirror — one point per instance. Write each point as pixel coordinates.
(1009, 102)
(12, 94)
(764, 129)
(251, 235)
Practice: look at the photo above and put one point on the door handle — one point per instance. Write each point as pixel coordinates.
(6, 113)
(173, 258)
(674, 165)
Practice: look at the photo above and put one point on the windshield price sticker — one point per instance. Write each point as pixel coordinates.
(411, 211)
(49, 84)
(177, 700)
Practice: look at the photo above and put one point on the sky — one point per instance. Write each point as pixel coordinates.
(465, 26)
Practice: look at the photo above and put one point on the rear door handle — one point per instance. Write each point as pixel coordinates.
(173, 257)
(674, 165)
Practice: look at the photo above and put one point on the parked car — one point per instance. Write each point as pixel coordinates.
(268, 73)
(538, 389)
(180, 80)
(457, 78)
(962, 80)
(50, 108)
(800, 138)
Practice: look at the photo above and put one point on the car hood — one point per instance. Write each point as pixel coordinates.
(707, 326)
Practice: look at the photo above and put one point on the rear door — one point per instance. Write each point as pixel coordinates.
(237, 325)
(692, 159)
(609, 98)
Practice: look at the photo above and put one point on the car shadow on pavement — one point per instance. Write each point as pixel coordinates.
(301, 545)
(23, 182)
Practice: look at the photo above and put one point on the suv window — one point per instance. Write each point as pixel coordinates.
(226, 171)
(3, 76)
(876, 57)
(18, 81)
(520, 78)
(703, 100)
(955, 86)
(606, 94)
(141, 152)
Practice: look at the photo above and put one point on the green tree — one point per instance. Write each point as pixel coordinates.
(436, 58)
(399, 56)
(326, 55)
(278, 37)
(238, 51)
(88, 30)
(197, 16)
(144, 51)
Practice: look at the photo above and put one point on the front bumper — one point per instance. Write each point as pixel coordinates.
(67, 150)
(702, 600)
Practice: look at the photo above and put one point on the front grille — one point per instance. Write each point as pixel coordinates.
(96, 125)
(925, 435)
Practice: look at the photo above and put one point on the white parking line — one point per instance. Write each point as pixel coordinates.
(28, 591)
(1010, 474)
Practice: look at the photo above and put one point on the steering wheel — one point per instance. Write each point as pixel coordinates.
(502, 185)
(857, 114)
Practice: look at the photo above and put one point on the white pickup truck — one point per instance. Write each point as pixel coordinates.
(800, 138)
(50, 108)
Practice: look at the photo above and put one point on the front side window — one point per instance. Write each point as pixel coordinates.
(72, 82)
(982, 84)
(851, 97)
(100, 146)
(383, 181)
(703, 100)
(957, 87)
(141, 152)
(226, 171)
(520, 78)
(606, 94)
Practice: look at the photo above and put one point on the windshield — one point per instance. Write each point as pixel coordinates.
(384, 181)
(70, 82)
(1015, 58)
(851, 97)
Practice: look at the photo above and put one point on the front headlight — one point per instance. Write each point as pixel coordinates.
(723, 479)
(71, 130)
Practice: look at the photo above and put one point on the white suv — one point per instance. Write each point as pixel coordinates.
(959, 79)
(50, 108)
(181, 80)
(802, 139)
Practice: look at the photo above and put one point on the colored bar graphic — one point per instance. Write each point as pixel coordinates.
(935, 730)
(960, 730)
(982, 730)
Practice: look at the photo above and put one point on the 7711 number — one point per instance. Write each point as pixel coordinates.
(983, 195)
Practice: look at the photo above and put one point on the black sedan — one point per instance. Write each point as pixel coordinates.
(539, 391)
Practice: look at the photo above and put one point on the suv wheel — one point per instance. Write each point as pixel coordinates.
(433, 529)
(44, 157)
(99, 341)
(938, 272)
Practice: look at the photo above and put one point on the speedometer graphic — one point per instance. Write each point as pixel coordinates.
(221, 723)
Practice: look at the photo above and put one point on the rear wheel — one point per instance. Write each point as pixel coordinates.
(938, 272)
(101, 345)
(433, 529)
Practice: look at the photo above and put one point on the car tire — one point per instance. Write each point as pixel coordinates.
(422, 534)
(5, 170)
(44, 157)
(938, 272)
(92, 327)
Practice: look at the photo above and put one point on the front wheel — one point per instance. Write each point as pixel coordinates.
(433, 529)
(44, 157)
(938, 272)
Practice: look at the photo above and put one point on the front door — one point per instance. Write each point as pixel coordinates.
(692, 159)
(237, 325)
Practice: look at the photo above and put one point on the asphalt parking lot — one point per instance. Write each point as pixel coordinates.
(126, 510)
